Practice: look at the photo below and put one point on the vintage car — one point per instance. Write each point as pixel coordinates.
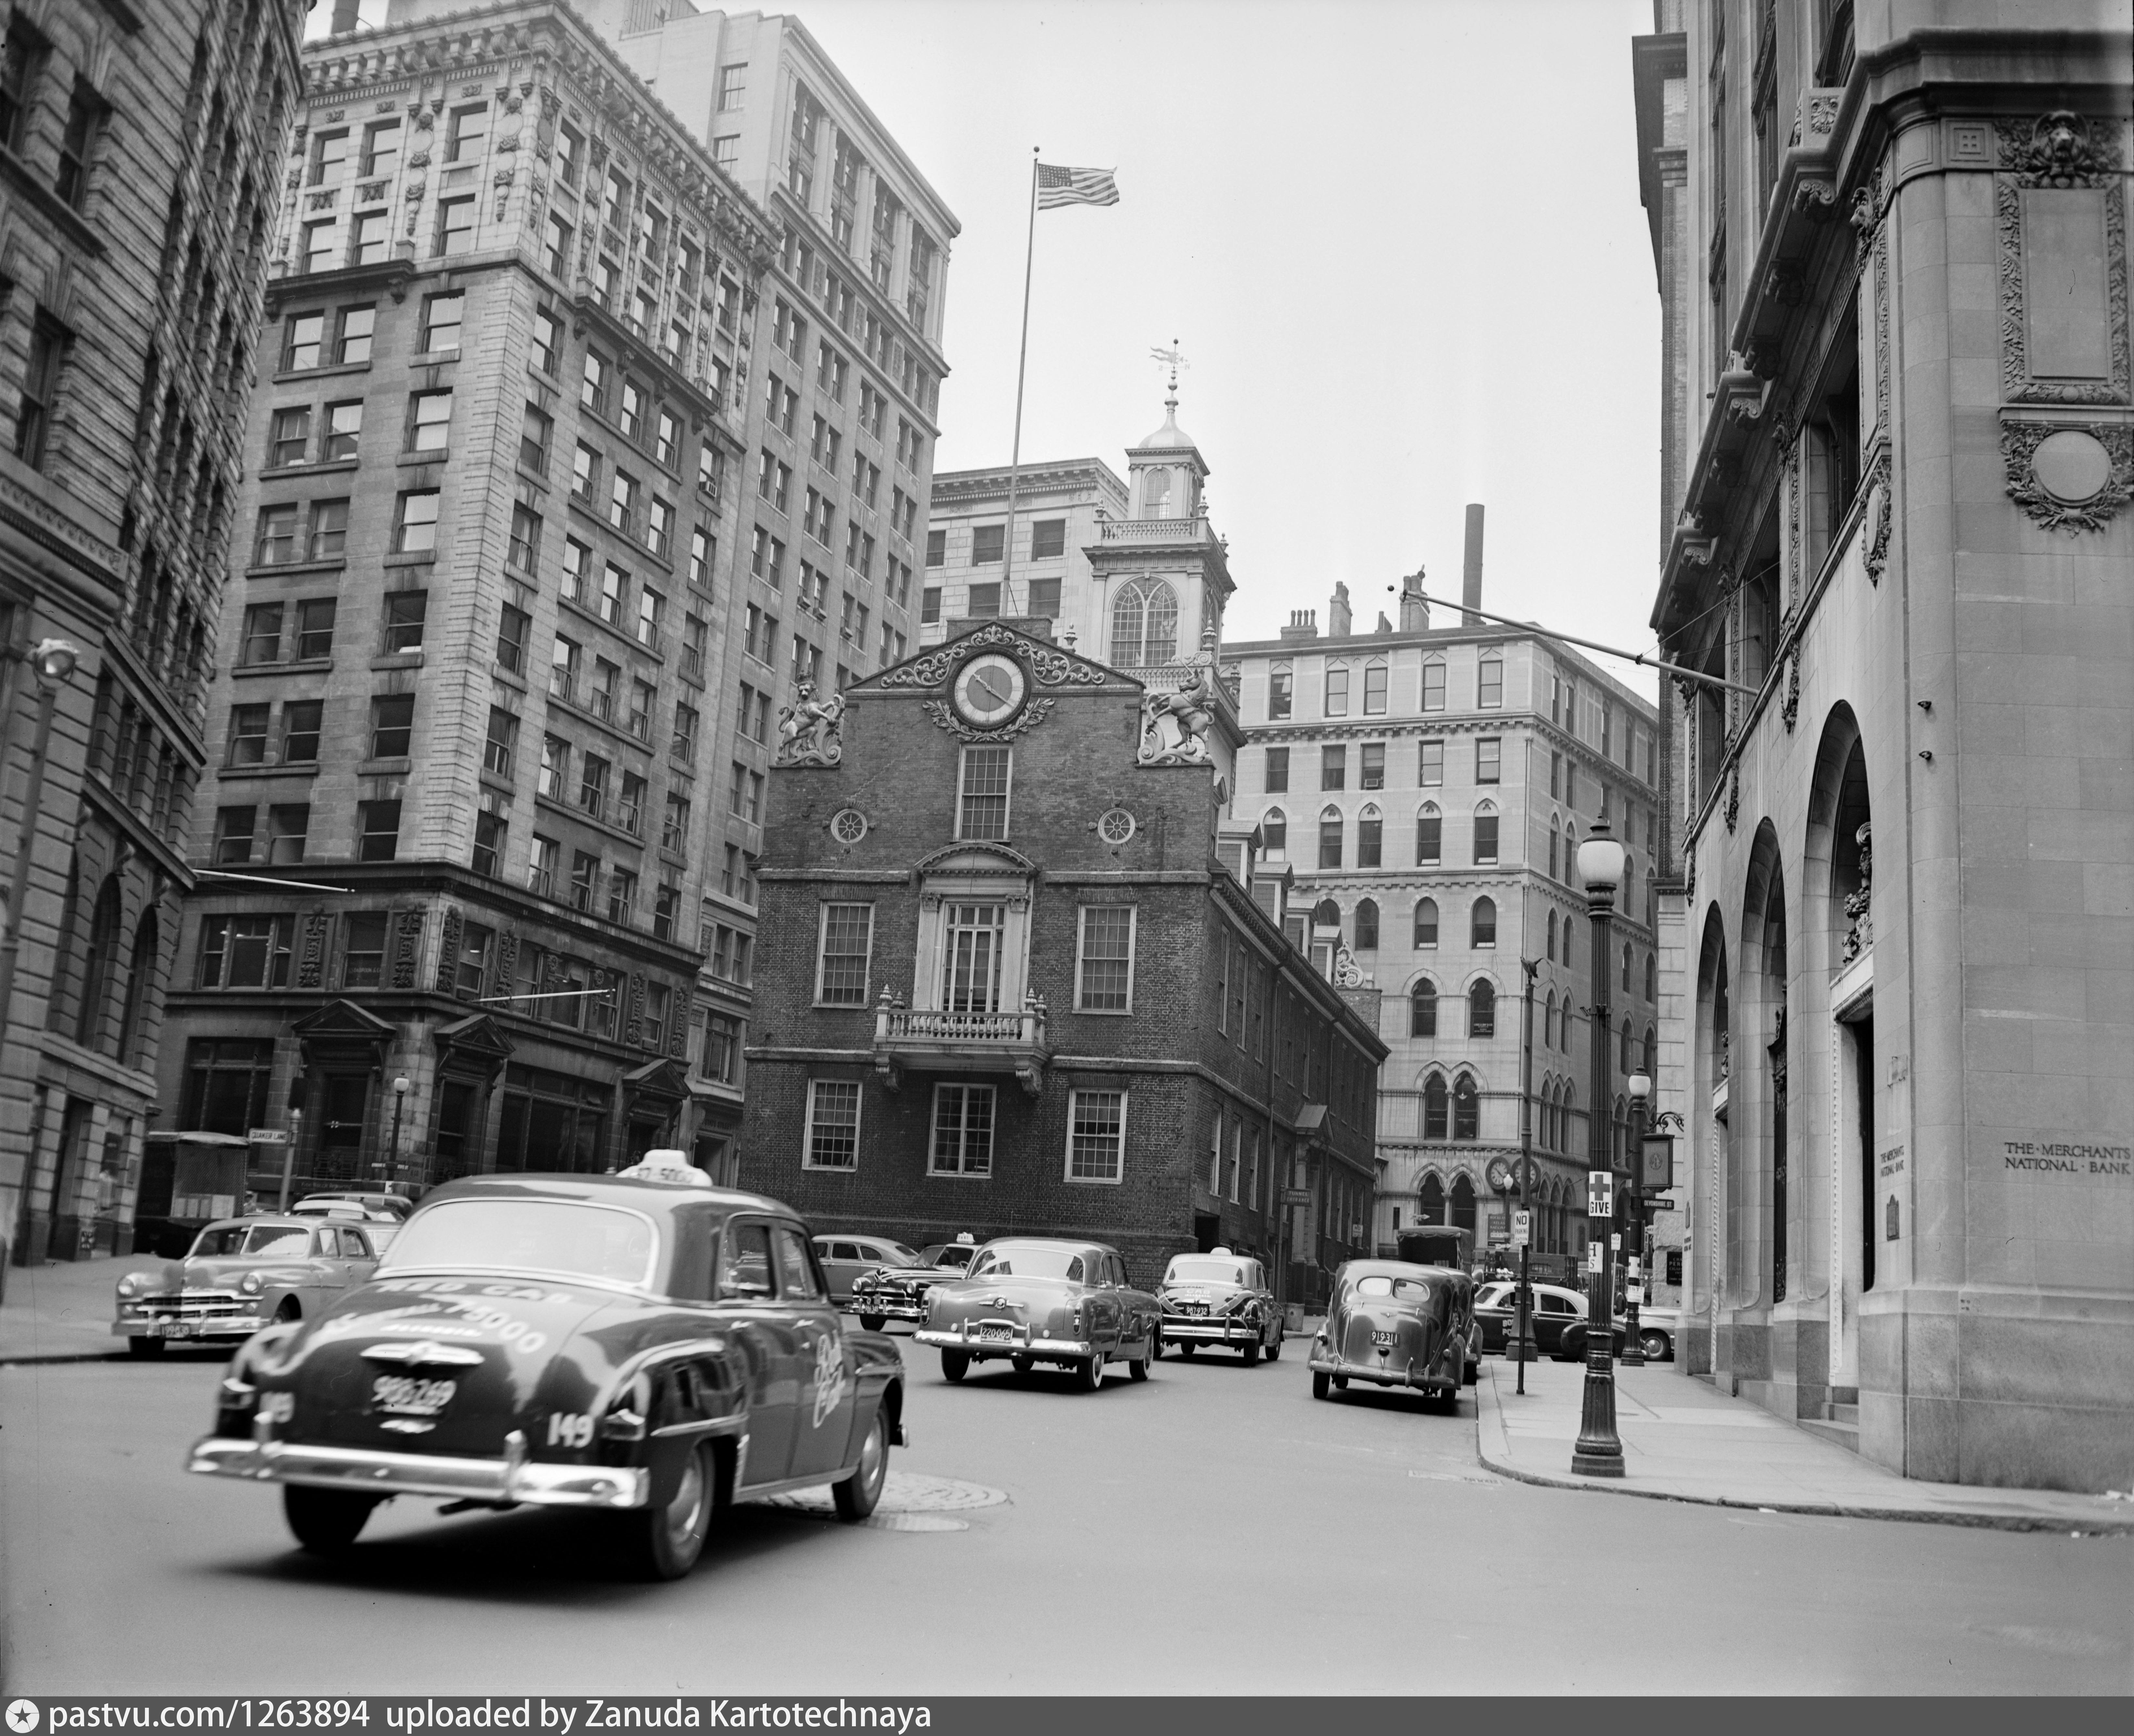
(1658, 1328)
(395, 1206)
(643, 1345)
(379, 1227)
(1550, 1309)
(1031, 1299)
(900, 1293)
(846, 1259)
(1394, 1323)
(1571, 1347)
(1220, 1298)
(242, 1274)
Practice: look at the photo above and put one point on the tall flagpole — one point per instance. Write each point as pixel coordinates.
(1022, 361)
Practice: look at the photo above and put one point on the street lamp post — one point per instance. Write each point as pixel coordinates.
(1633, 1352)
(1599, 1453)
(393, 1155)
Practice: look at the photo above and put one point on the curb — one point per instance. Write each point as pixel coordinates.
(68, 1356)
(1502, 1465)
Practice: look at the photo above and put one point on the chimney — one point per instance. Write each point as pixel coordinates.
(1414, 612)
(1384, 625)
(1338, 621)
(345, 18)
(1471, 571)
(1303, 624)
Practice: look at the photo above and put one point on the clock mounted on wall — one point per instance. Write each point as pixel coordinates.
(990, 690)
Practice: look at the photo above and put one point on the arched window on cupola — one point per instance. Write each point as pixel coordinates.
(1422, 1009)
(1144, 624)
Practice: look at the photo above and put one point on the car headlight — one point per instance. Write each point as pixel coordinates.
(130, 1284)
(253, 1284)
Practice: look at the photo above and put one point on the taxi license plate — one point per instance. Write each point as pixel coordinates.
(177, 1329)
(993, 1331)
(1196, 1309)
(1385, 1339)
(402, 1395)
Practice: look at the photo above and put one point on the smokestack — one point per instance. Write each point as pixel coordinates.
(345, 18)
(1470, 572)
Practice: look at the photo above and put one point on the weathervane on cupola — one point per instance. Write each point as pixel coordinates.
(1162, 488)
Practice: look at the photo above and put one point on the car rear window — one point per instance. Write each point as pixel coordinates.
(1202, 1271)
(564, 1238)
(1401, 1290)
(1026, 1260)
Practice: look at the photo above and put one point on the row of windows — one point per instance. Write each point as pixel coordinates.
(960, 1134)
(390, 735)
(1370, 836)
(983, 601)
(1371, 764)
(840, 299)
(302, 631)
(1341, 688)
(973, 944)
(290, 531)
(1048, 542)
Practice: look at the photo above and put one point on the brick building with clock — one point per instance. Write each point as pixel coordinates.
(1017, 973)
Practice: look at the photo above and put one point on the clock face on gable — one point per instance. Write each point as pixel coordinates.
(989, 690)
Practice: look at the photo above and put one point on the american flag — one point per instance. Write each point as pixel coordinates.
(1059, 186)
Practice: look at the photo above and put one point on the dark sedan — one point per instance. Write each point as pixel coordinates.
(1391, 1323)
(643, 1345)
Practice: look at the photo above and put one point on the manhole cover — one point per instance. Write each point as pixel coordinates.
(910, 1502)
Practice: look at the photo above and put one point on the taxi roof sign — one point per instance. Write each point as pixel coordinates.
(667, 1166)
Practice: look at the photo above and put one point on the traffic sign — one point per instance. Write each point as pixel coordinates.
(1593, 1256)
(1296, 1196)
(267, 1136)
(1600, 1194)
(1521, 1228)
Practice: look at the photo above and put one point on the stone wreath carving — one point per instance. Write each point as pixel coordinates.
(2020, 442)
(1789, 706)
(2061, 151)
(945, 718)
(1048, 669)
(809, 729)
(1174, 725)
(1733, 798)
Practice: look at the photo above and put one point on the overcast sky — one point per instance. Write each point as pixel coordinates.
(1399, 240)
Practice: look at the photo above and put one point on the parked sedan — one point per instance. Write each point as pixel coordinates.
(1551, 1308)
(846, 1259)
(1394, 1324)
(1220, 1298)
(241, 1274)
(1029, 1300)
(900, 1292)
(379, 1225)
(1657, 1330)
(642, 1346)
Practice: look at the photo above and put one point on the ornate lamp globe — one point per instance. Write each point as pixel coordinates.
(1600, 861)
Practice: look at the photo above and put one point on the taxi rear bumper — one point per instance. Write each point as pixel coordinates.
(511, 1481)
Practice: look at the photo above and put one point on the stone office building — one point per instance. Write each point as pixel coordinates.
(140, 167)
(1427, 786)
(1899, 452)
(1019, 975)
(471, 655)
(836, 390)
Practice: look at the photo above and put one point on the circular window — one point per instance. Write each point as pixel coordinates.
(849, 826)
(1115, 825)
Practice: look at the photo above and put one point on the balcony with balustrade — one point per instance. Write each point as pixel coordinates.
(933, 1041)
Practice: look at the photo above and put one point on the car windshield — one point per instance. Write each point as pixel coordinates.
(1495, 1295)
(1204, 1271)
(231, 1240)
(1026, 1260)
(888, 1250)
(558, 1237)
(946, 1253)
(1401, 1290)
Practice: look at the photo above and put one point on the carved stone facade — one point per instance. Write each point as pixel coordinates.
(1863, 841)
(145, 144)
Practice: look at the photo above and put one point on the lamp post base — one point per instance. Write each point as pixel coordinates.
(1599, 1453)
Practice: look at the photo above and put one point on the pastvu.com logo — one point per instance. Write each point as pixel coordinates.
(23, 1717)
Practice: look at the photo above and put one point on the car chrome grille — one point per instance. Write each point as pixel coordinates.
(194, 1304)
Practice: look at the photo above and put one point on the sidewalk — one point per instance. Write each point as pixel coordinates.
(62, 1312)
(1683, 1441)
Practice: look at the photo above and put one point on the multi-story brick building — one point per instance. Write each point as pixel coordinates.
(1017, 976)
(140, 164)
(838, 381)
(473, 652)
(1895, 1014)
(1427, 788)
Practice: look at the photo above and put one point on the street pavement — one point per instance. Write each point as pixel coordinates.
(1214, 1530)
